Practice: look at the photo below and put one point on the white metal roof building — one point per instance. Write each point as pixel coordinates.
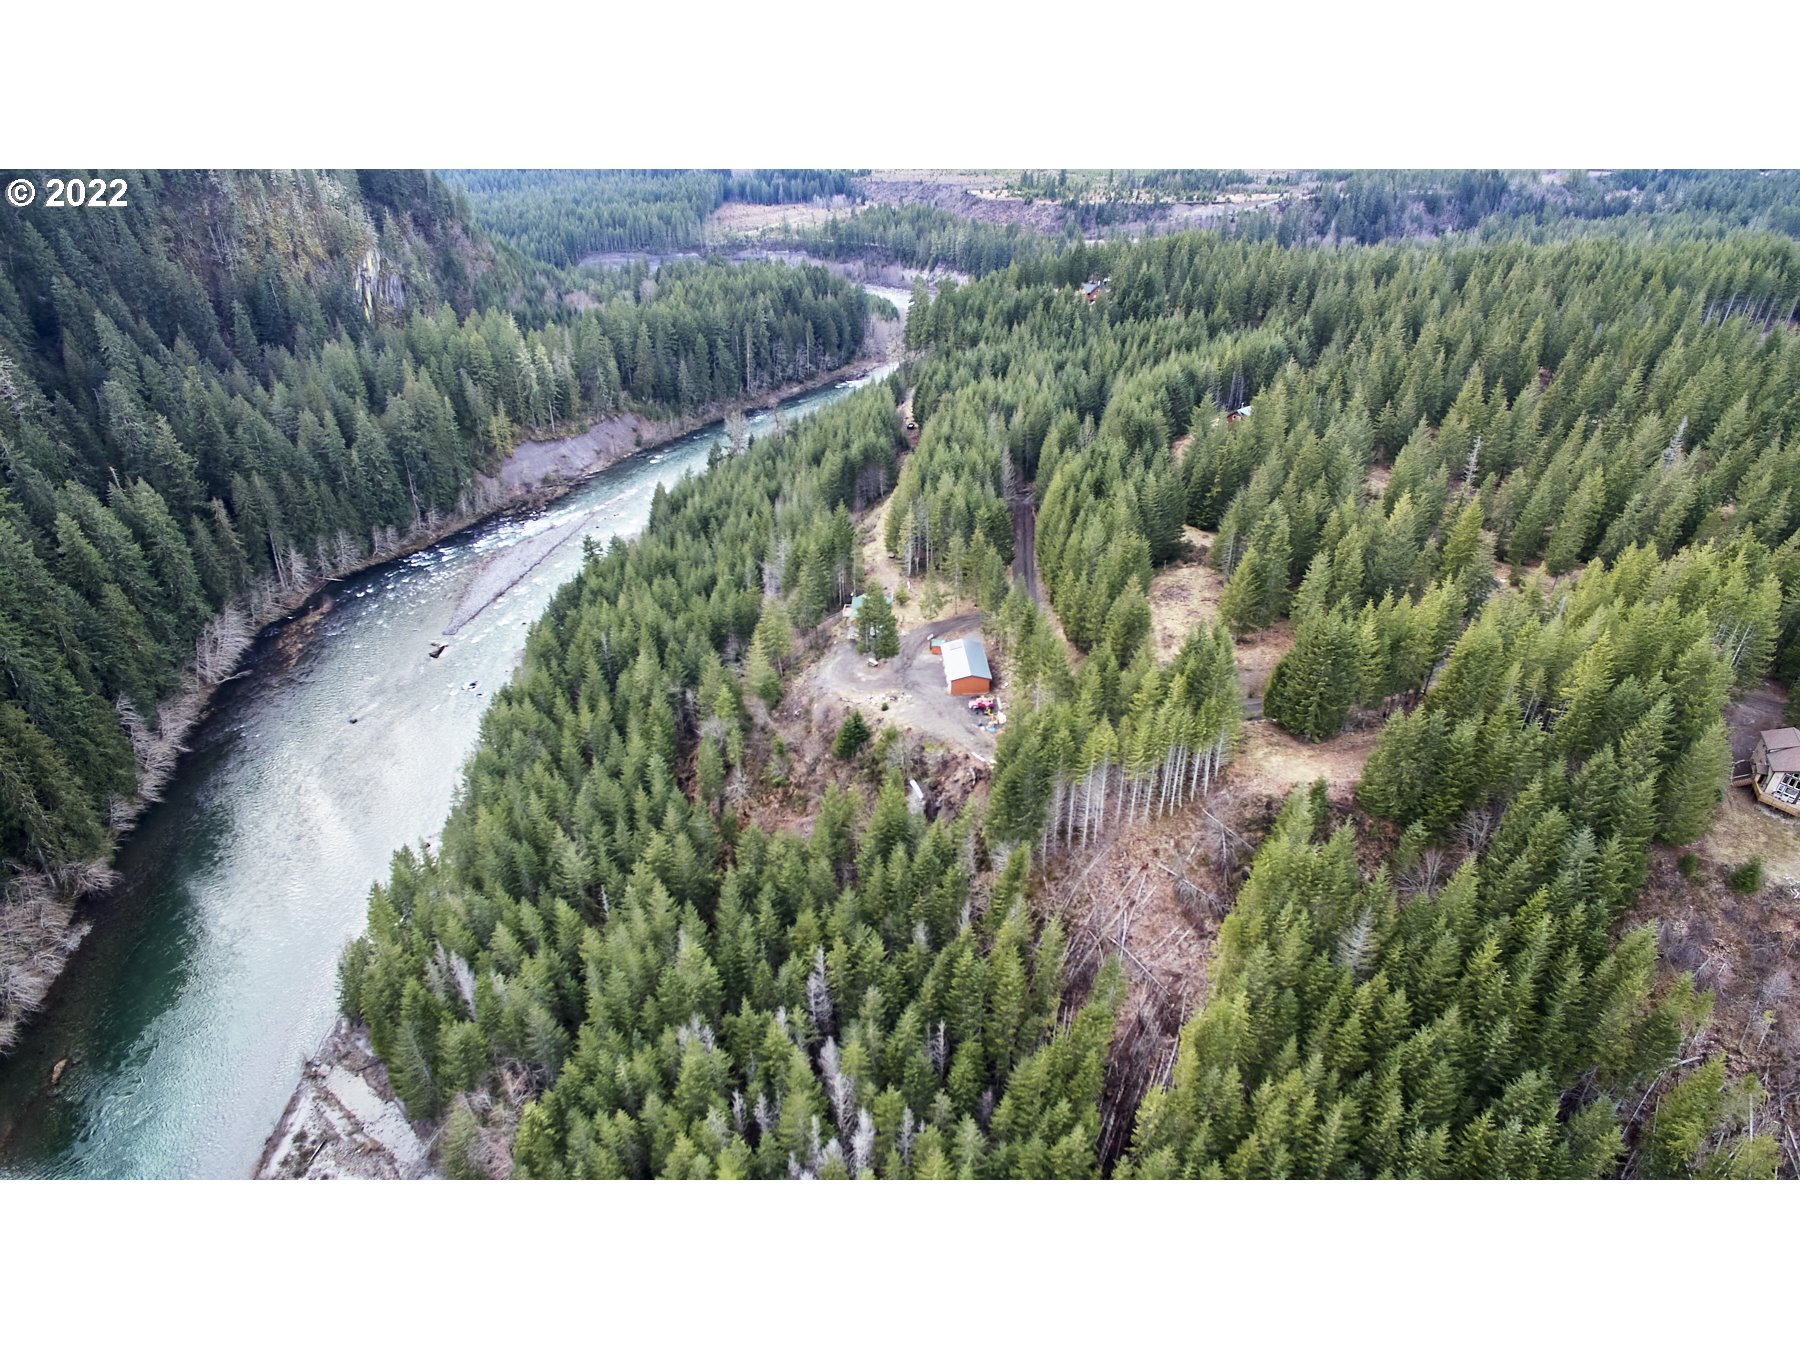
(966, 668)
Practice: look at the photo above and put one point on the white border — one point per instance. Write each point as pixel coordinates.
(1124, 83)
(1003, 1264)
(1129, 83)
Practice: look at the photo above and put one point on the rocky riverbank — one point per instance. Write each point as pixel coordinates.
(565, 460)
(344, 1122)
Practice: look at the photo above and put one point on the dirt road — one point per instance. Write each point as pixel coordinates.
(911, 684)
(1747, 717)
(1024, 518)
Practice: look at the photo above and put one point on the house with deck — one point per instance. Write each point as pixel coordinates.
(1774, 770)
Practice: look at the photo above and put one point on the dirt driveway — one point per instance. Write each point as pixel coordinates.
(1024, 518)
(911, 684)
(1757, 710)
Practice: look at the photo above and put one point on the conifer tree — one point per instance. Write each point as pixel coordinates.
(851, 736)
(877, 632)
(1314, 684)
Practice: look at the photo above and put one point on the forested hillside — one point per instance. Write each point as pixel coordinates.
(243, 383)
(560, 216)
(607, 958)
(1549, 404)
(1485, 1023)
(925, 237)
(1656, 406)
(1530, 508)
(1128, 185)
(1367, 206)
(1375, 206)
(690, 996)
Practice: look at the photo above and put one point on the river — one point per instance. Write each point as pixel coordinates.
(210, 973)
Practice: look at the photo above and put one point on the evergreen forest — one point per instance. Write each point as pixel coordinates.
(1508, 479)
(1534, 504)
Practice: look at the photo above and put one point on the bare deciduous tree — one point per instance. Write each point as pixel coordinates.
(818, 996)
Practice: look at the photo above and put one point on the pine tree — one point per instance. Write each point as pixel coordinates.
(1679, 1139)
(461, 1140)
(1692, 785)
(1575, 526)
(760, 675)
(877, 631)
(773, 634)
(852, 735)
(1243, 602)
(1020, 795)
(1314, 684)
(1127, 625)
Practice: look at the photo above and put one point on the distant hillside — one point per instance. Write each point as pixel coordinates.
(980, 223)
(559, 216)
